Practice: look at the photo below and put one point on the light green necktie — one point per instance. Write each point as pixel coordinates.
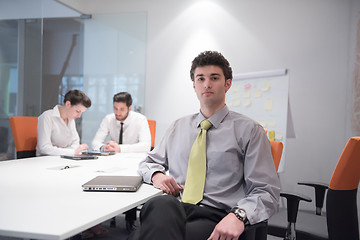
(196, 172)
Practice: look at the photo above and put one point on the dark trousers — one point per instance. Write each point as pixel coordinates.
(164, 217)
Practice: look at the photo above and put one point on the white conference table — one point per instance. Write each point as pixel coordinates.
(39, 199)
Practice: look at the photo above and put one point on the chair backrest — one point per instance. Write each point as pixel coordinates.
(152, 126)
(341, 203)
(24, 130)
(276, 150)
(347, 171)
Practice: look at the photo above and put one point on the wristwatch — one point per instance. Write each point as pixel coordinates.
(239, 213)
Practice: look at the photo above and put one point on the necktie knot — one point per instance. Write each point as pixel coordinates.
(205, 124)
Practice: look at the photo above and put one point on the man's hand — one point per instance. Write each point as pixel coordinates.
(166, 183)
(230, 227)
(112, 146)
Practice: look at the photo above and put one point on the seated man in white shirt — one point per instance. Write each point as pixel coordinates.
(129, 132)
(135, 131)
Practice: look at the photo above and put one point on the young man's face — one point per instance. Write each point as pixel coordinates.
(210, 85)
(121, 111)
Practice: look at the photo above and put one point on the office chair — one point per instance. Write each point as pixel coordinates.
(341, 204)
(152, 126)
(24, 130)
(276, 151)
(341, 220)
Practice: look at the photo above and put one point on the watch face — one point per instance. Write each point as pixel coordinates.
(242, 213)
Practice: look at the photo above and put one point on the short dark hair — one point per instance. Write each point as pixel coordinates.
(123, 97)
(211, 58)
(76, 97)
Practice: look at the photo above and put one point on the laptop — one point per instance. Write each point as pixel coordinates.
(80, 157)
(97, 152)
(113, 184)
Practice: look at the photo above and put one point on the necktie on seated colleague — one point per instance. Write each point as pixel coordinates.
(196, 172)
(121, 133)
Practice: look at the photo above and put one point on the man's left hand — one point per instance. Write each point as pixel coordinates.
(230, 227)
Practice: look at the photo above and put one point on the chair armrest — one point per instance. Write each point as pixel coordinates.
(256, 231)
(320, 189)
(293, 204)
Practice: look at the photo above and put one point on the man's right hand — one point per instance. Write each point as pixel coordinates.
(166, 183)
(112, 146)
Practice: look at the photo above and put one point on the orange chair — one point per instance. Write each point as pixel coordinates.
(341, 205)
(152, 125)
(276, 150)
(341, 220)
(24, 130)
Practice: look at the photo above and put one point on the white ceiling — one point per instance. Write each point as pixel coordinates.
(27, 9)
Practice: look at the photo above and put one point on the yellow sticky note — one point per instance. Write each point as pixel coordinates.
(266, 86)
(269, 104)
(247, 94)
(247, 103)
(236, 103)
(272, 135)
(258, 94)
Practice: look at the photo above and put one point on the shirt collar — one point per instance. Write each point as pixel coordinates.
(215, 119)
(56, 112)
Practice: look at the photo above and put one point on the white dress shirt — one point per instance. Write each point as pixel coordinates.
(136, 133)
(240, 169)
(54, 136)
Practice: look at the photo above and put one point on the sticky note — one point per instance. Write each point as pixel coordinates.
(266, 86)
(268, 104)
(247, 86)
(247, 103)
(258, 94)
(236, 103)
(247, 94)
(272, 135)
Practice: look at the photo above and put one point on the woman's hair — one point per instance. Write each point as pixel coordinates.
(211, 58)
(123, 97)
(77, 97)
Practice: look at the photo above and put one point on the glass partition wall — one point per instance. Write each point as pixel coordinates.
(42, 58)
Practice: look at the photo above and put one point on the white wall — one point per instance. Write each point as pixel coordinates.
(310, 38)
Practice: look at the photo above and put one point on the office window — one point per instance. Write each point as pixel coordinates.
(101, 56)
(114, 61)
(8, 84)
